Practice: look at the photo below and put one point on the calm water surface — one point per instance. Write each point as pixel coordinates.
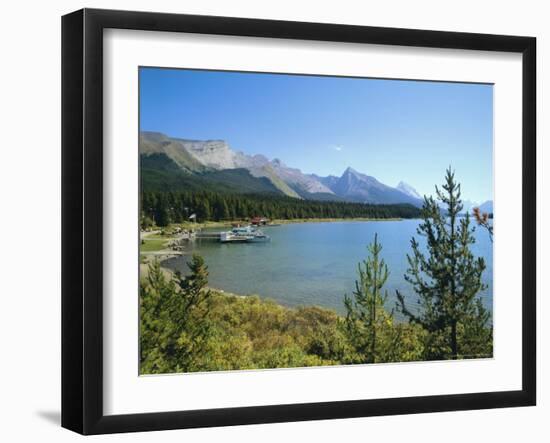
(316, 263)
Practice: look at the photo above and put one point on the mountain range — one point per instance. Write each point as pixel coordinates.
(173, 163)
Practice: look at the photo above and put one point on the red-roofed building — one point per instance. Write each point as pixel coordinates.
(259, 221)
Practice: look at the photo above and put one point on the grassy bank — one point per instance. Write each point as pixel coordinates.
(153, 245)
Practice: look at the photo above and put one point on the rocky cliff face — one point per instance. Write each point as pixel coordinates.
(214, 154)
(199, 155)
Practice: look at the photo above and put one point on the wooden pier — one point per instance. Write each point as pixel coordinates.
(208, 235)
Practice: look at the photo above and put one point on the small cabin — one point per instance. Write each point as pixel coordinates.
(259, 221)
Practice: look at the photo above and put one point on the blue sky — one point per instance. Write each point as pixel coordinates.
(391, 129)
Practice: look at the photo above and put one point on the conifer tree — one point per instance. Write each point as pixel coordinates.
(174, 327)
(225, 214)
(204, 211)
(163, 217)
(447, 278)
(368, 324)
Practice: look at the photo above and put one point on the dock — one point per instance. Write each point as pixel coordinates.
(209, 235)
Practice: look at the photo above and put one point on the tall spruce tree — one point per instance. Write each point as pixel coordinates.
(368, 324)
(447, 279)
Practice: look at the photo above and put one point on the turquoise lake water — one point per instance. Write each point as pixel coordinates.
(316, 263)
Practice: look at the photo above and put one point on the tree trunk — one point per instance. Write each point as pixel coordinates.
(454, 345)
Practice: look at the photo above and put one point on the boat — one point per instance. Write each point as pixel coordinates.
(259, 237)
(245, 234)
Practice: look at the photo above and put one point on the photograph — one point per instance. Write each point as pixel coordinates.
(292, 220)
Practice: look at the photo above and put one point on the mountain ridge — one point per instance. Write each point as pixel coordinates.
(207, 156)
(200, 156)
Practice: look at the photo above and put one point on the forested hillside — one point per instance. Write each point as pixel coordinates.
(163, 208)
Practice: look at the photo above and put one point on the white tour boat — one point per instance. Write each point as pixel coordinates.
(245, 234)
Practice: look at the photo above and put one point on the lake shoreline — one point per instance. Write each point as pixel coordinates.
(169, 273)
(283, 221)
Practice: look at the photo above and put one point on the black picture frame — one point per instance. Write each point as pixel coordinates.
(82, 218)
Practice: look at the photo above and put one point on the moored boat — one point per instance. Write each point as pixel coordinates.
(245, 234)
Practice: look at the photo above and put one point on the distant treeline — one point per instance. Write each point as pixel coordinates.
(163, 208)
